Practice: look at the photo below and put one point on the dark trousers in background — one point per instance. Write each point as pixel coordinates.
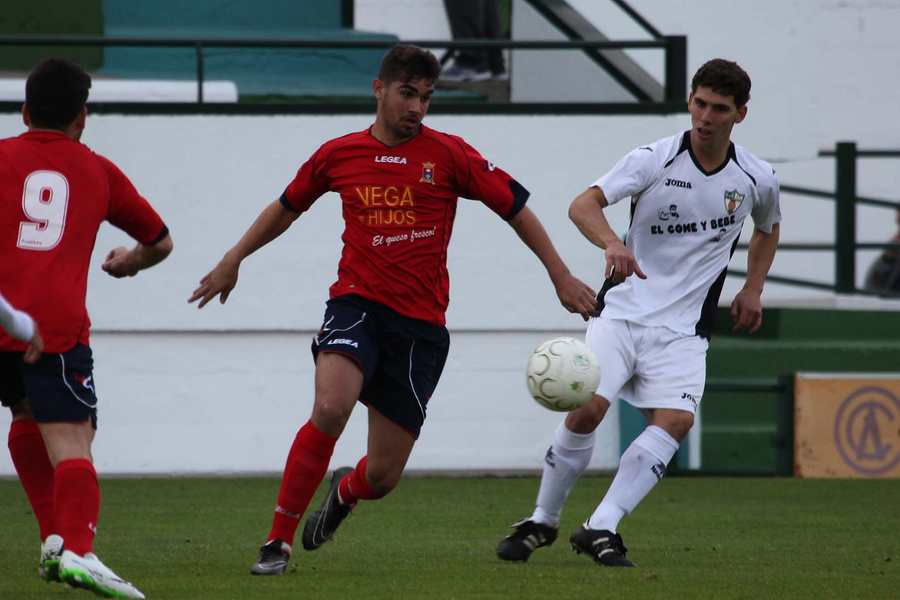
(476, 19)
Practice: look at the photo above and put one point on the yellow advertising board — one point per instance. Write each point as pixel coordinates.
(847, 425)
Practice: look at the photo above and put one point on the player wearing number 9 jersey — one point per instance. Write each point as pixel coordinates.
(54, 194)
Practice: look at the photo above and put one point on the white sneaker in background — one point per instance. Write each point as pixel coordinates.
(457, 74)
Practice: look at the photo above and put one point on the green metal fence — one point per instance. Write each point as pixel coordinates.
(846, 200)
(675, 84)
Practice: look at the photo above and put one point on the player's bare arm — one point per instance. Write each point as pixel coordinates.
(575, 295)
(274, 220)
(746, 309)
(586, 211)
(122, 262)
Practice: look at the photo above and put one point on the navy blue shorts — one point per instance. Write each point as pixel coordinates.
(59, 387)
(401, 358)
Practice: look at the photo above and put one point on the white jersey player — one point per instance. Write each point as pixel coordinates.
(690, 195)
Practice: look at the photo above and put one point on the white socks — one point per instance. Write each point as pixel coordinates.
(642, 465)
(566, 460)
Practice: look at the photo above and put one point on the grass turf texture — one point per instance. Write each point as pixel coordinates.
(433, 537)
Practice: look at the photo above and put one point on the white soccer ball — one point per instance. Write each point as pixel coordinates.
(563, 374)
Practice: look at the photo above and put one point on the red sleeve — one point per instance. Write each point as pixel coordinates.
(480, 179)
(128, 210)
(308, 185)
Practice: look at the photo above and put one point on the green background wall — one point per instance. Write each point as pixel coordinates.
(50, 17)
(739, 429)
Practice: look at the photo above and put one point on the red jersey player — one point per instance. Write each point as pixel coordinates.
(54, 194)
(383, 340)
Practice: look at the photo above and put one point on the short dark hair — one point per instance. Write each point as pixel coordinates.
(56, 92)
(723, 77)
(406, 62)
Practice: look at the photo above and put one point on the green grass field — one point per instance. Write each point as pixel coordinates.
(435, 538)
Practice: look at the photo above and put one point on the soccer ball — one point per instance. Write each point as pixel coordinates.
(563, 374)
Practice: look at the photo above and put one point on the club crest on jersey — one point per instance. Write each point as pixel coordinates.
(427, 173)
(733, 201)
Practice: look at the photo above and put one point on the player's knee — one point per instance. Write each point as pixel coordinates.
(683, 423)
(331, 413)
(676, 423)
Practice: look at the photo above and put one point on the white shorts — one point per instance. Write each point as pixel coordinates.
(649, 367)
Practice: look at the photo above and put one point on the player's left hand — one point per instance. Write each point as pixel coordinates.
(577, 296)
(746, 311)
(117, 264)
(218, 282)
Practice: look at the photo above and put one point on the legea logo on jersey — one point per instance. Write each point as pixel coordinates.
(733, 201)
(397, 160)
(427, 173)
(343, 342)
(387, 205)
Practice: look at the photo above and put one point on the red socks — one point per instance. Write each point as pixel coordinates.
(29, 455)
(77, 495)
(306, 465)
(73, 488)
(354, 487)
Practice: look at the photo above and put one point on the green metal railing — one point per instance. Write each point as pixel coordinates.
(846, 155)
(674, 47)
(845, 245)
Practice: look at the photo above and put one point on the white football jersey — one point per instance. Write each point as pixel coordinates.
(685, 225)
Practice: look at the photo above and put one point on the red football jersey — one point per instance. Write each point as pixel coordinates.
(54, 194)
(398, 206)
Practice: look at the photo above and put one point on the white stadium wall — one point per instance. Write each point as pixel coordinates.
(223, 390)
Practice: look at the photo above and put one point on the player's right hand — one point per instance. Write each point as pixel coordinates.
(621, 263)
(218, 282)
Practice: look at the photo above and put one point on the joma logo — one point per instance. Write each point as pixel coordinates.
(678, 183)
